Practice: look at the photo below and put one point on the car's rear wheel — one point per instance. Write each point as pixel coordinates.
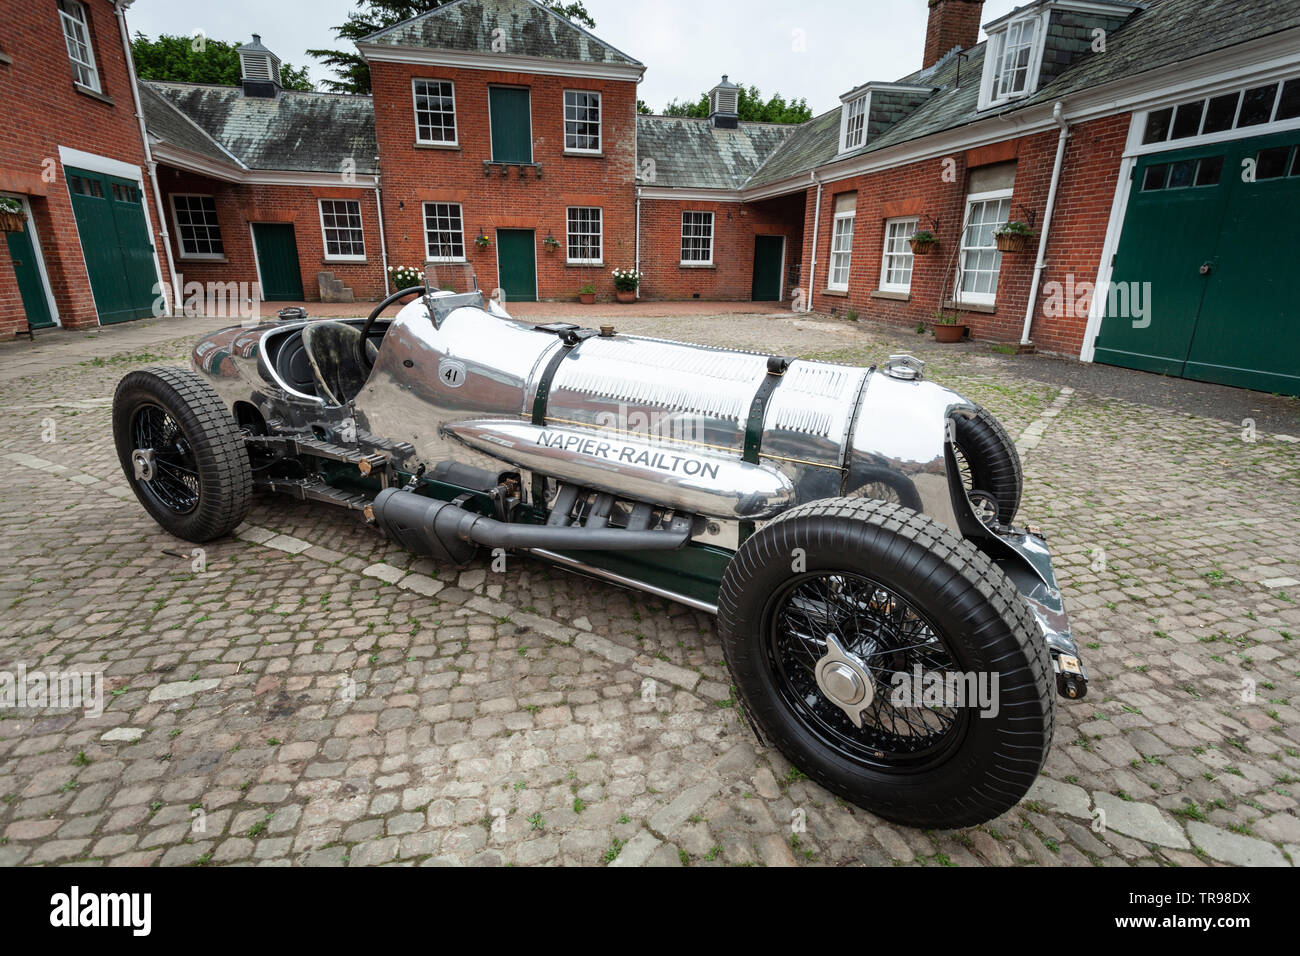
(181, 452)
(839, 618)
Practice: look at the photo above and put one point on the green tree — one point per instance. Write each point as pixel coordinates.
(201, 60)
(372, 15)
(751, 106)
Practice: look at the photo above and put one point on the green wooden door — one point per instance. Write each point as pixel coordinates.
(1204, 250)
(1247, 333)
(115, 242)
(512, 125)
(1170, 230)
(277, 261)
(769, 253)
(517, 264)
(30, 284)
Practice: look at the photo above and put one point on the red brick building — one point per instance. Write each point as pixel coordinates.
(1143, 149)
(75, 166)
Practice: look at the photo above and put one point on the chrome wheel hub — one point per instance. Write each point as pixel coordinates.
(143, 463)
(844, 680)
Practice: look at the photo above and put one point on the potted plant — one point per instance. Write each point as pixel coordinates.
(482, 241)
(1012, 236)
(946, 328)
(587, 294)
(11, 215)
(551, 243)
(404, 277)
(923, 242)
(625, 284)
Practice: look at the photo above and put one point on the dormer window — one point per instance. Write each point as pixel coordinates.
(1011, 61)
(853, 128)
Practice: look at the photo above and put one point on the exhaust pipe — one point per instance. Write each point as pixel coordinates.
(447, 532)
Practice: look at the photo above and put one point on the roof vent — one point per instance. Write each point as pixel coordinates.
(260, 68)
(724, 104)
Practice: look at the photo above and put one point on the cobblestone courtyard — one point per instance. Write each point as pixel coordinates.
(313, 695)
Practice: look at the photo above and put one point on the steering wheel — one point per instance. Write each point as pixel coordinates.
(362, 355)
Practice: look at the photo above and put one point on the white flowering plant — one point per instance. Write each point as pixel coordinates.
(626, 280)
(405, 277)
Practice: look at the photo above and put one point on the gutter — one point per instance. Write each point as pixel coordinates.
(817, 220)
(1058, 116)
(383, 245)
(119, 8)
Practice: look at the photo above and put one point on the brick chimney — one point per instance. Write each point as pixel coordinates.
(953, 23)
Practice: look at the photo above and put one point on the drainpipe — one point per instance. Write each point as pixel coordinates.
(120, 9)
(637, 239)
(383, 246)
(817, 219)
(1058, 115)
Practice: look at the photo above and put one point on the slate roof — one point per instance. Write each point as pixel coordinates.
(1167, 32)
(167, 124)
(527, 29)
(293, 131)
(690, 153)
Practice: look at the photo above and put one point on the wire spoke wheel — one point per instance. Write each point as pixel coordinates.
(891, 640)
(175, 479)
(181, 452)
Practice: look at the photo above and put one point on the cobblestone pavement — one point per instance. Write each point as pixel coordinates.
(311, 695)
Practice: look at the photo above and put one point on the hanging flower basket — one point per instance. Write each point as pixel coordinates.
(11, 216)
(923, 243)
(1012, 237)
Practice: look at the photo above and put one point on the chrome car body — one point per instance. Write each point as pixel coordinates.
(722, 437)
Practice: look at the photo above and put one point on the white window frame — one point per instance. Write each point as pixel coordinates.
(428, 247)
(712, 223)
(906, 228)
(979, 298)
(838, 253)
(569, 234)
(600, 124)
(415, 109)
(851, 115)
(991, 86)
(324, 233)
(180, 238)
(76, 32)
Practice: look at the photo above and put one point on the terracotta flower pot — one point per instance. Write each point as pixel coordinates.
(1012, 242)
(922, 248)
(626, 295)
(587, 298)
(949, 333)
(11, 222)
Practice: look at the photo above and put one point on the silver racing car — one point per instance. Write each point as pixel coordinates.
(886, 625)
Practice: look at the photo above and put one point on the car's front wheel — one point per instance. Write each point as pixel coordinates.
(181, 452)
(890, 661)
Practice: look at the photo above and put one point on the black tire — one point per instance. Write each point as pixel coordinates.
(981, 766)
(992, 462)
(209, 481)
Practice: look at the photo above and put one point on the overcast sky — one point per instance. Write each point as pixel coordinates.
(686, 44)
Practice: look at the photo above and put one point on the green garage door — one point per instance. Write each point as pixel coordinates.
(1208, 229)
(116, 244)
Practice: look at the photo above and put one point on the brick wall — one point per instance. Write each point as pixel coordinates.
(414, 175)
(937, 188)
(240, 205)
(44, 110)
(735, 225)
